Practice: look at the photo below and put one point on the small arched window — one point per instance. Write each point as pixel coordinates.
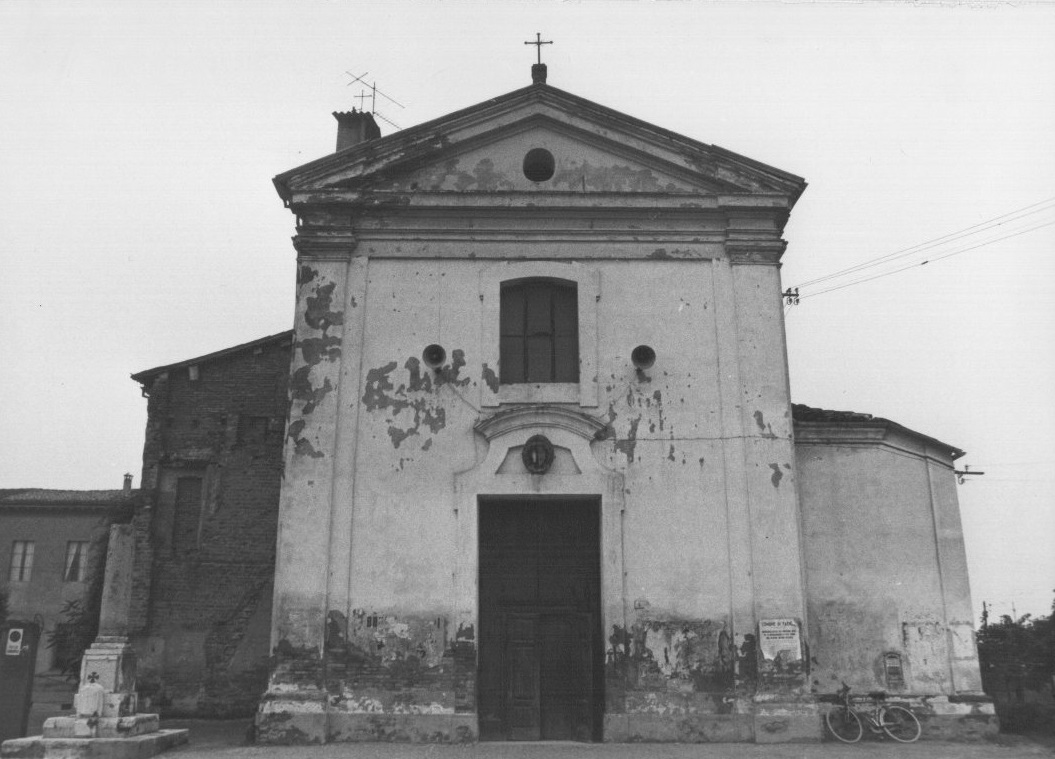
(895, 672)
(539, 337)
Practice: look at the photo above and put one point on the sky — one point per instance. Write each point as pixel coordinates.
(139, 225)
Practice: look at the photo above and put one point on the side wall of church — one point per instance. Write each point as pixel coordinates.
(889, 606)
(378, 443)
(211, 475)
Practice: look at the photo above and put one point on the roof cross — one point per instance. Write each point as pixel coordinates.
(538, 43)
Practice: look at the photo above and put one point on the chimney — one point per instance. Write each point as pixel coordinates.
(354, 127)
(128, 483)
(538, 73)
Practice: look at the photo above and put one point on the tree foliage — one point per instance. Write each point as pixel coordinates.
(1017, 658)
(1026, 643)
(79, 619)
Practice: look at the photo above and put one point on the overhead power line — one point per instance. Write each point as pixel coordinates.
(974, 229)
(929, 260)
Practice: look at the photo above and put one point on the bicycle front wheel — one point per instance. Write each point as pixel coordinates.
(844, 724)
(900, 724)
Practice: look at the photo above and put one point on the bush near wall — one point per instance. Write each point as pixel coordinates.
(1017, 658)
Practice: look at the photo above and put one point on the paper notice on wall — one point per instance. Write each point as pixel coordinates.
(13, 646)
(780, 639)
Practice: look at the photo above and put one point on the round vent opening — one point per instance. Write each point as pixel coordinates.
(434, 356)
(643, 356)
(539, 165)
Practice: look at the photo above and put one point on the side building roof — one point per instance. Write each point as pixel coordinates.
(41, 499)
(149, 375)
(809, 417)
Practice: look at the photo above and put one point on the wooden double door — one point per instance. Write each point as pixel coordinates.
(540, 648)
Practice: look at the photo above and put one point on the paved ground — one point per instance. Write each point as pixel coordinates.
(225, 740)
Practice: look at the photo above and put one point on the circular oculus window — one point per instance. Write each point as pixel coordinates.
(539, 165)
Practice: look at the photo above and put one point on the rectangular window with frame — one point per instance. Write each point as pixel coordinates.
(76, 561)
(187, 517)
(253, 429)
(539, 332)
(22, 560)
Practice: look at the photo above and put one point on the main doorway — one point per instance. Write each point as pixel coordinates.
(541, 652)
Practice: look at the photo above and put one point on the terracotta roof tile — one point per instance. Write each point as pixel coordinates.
(45, 497)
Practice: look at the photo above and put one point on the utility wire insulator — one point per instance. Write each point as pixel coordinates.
(966, 472)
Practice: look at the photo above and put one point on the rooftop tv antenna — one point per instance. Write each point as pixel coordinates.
(373, 93)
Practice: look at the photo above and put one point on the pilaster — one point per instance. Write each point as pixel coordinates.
(293, 709)
(783, 709)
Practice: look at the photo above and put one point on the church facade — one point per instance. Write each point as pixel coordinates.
(542, 476)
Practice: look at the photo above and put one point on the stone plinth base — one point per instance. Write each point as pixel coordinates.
(101, 727)
(787, 722)
(955, 718)
(401, 728)
(136, 747)
(687, 728)
(292, 722)
(304, 723)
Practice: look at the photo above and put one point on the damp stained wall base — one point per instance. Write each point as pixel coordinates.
(297, 723)
(307, 718)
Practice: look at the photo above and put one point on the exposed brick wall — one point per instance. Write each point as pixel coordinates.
(205, 564)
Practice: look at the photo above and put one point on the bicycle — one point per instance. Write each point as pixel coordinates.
(844, 721)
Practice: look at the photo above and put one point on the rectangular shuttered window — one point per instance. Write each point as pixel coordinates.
(76, 561)
(539, 337)
(21, 561)
(188, 513)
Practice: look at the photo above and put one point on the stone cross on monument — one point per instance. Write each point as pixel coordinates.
(106, 722)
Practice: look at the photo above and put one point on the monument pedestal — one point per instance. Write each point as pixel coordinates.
(135, 747)
(105, 723)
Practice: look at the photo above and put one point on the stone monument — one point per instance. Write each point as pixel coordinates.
(105, 722)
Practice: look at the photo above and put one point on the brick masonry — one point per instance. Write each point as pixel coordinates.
(205, 532)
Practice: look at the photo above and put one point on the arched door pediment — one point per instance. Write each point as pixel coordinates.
(569, 430)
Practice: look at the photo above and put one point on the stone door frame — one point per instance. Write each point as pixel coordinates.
(571, 432)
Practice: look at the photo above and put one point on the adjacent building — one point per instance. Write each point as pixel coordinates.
(52, 543)
(205, 546)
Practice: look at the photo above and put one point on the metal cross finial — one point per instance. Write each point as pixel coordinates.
(538, 43)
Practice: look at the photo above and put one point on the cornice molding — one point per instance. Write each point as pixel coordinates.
(329, 248)
(592, 201)
(759, 253)
(877, 434)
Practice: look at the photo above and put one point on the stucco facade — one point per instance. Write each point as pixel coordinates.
(407, 242)
(889, 607)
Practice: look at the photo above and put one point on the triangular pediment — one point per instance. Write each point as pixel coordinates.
(482, 149)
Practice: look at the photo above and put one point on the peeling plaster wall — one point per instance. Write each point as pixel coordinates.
(395, 641)
(579, 168)
(404, 242)
(885, 566)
